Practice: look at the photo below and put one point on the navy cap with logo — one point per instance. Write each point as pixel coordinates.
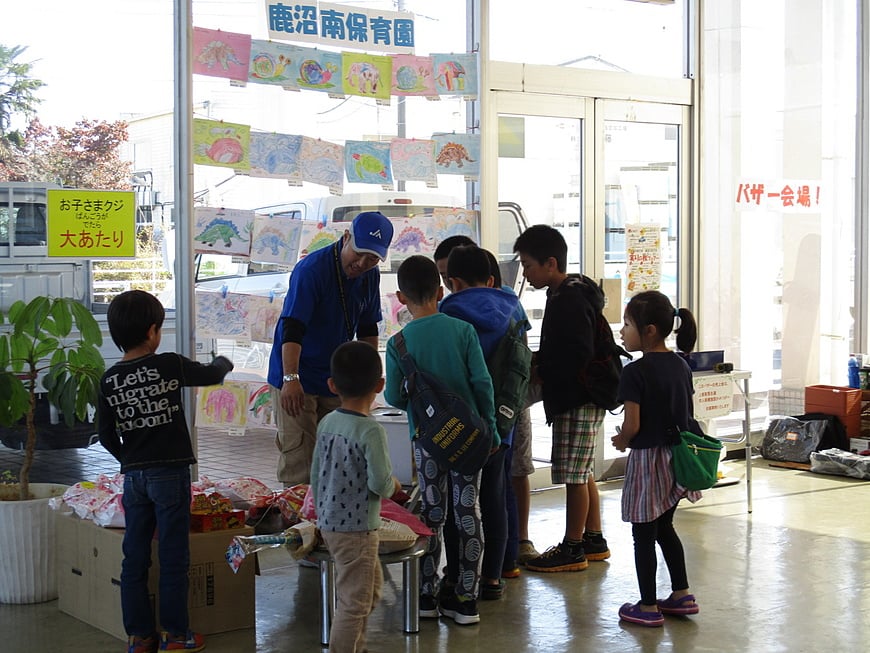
(371, 233)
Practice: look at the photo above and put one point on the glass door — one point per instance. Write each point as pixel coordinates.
(601, 172)
(640, 192)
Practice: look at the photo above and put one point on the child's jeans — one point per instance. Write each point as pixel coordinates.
(157, 497)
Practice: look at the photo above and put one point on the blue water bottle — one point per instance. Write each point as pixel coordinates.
(854, 378)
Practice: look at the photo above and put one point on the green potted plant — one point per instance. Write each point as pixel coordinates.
(52, 343)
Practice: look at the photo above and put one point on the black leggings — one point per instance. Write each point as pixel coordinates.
(646, 535)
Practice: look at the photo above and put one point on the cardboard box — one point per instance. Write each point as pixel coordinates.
(843, 402)
(857, 445)
(89, 578)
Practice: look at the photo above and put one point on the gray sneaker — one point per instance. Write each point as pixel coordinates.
(527, 551)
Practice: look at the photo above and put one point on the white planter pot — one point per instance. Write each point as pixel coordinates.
(28, 572)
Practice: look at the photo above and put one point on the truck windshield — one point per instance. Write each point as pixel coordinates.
(29, 221)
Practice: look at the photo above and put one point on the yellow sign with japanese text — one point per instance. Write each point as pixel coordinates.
(91, 223)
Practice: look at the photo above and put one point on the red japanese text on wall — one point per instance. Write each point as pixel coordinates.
(784, 196)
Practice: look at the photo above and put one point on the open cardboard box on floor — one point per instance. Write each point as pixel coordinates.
(89, 578)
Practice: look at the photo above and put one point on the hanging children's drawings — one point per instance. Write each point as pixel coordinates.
(322, 162)
(412, 75)
(222, 405)
(456, 74)
(221, 54)
(222, 315)
(367, 162)
(263, 315)
(411, 236)
(643, 269)
(275, 156)
(318, 70)
(413, 160)
(273, 63)
(455, 222)
(222, 144)
(367, 75)
(316, 236)
(222, 231)
(457, 154)
(260, 409)
(396, 316)
(275, 240)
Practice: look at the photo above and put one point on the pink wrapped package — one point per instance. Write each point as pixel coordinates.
(389, 510)
(86, 497)
(110, 514)
(243, 492)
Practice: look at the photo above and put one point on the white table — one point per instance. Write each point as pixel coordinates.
(741, 379)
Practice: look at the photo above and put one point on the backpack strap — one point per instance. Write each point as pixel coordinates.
(406, 361)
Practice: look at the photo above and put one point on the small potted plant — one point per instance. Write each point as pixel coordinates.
(52, 343)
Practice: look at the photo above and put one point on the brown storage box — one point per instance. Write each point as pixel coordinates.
(843, 402)
(89, 578)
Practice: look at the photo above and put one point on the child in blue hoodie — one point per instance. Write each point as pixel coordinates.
(489, 310)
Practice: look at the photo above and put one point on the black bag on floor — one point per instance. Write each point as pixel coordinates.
(834, 435)
(789, 439)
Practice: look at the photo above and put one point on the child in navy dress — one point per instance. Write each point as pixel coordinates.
(657, 394)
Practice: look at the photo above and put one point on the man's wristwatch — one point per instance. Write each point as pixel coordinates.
(289, 378)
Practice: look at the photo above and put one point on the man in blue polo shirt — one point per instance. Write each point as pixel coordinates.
(334, 296)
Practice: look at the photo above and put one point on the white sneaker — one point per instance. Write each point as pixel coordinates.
(527, 551)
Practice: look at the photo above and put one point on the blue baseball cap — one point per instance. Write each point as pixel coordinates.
(371, 233)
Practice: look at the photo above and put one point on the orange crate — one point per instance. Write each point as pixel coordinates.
(218, 521)
(843, 402)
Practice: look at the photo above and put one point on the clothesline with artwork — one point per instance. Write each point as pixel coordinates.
(243, 60)
(246, 318)
(263, 238)
(302, 158)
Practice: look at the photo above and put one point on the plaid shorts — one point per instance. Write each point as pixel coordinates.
(574, 433)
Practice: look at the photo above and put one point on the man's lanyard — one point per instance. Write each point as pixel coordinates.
(338, 276)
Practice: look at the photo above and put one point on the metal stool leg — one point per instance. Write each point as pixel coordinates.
(327, 598)
(411, 591)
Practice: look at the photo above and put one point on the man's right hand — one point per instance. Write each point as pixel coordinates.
(292, 398)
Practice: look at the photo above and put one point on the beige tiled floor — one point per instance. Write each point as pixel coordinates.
(792, 576)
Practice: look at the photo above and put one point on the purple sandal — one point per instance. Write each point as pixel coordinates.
(682, 606)
(632, 612)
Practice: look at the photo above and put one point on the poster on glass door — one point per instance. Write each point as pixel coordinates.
(643, 268)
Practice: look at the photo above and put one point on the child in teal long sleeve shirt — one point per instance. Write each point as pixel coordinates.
(449, 349)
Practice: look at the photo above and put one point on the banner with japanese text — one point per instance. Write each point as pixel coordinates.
(342, 26)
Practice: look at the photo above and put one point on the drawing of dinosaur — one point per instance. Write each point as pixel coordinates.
(411, 237)
(453, 153)
(219, 229)
(269, 240)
